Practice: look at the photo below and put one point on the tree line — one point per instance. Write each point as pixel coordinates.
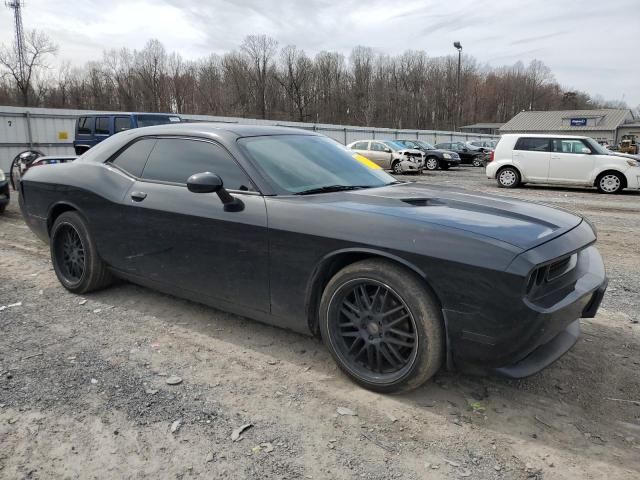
(260, 79)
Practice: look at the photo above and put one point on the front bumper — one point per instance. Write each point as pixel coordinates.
(547, 353)
(412, 166)
(4, 192)
(516, 332)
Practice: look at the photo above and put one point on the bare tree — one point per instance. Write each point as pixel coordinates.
(37, 47)
(260, 50)
(295, 77)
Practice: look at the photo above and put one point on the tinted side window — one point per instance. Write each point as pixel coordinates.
(532, 144)
(360, 146)
(102, 125)
(377, 147)
(121, 124)
(133, 159)
(85, 125)
(175, 160)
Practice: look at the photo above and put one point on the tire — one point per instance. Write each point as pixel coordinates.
(476, 162)
(74, 256)
(508, 177)
(431, 163)
(396, 167)
(412, 318)
(610, 182)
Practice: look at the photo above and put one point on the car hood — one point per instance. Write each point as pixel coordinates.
(441, 151)
(521, 224)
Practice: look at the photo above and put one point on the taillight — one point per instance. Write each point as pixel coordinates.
(491, 155)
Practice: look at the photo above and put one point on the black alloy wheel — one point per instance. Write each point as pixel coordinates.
(69, 253)
(382, 325)
(74, 255)
(375, 332)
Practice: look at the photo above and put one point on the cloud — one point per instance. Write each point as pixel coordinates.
(565, 35)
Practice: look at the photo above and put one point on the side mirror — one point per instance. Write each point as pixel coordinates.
(208, 182)
(586, 150)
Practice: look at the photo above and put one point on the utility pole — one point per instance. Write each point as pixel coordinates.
(458, 47)
(16, 6)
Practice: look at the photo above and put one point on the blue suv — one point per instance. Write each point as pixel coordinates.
(92, 129)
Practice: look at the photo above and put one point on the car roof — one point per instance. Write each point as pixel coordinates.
(219, 129)
(58, 157)
(542, 135)
(126, 114)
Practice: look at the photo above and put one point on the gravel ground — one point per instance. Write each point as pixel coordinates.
(85, 384)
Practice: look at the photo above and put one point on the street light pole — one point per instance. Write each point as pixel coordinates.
(458, 47)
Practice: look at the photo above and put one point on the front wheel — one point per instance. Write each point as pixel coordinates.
(74, 256)
(610, 183)
(382, 326)
(396, 168)
(431, 163)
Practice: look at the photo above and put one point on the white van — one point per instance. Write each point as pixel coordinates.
(561, 160)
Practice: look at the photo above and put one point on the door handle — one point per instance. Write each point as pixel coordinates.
(138, 196)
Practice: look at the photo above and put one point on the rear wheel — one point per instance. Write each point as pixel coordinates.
(431, 163)
(610, 182)
(74, 256)
(508, 177)
(476, 162)
(382, 326)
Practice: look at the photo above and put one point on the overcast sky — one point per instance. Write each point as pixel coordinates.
(590, 45)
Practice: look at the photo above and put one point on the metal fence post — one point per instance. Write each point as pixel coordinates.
(345, 135)
(27, 116)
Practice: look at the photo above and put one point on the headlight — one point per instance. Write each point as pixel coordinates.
(446, 155)
(633, 163)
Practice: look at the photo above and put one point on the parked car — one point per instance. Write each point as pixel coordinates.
(434, 158)
(488, 144)
(33, 158)
(5, 195)
(286, 227)
(92, 129)
(467, 153)
(390, 155)
(561, 160)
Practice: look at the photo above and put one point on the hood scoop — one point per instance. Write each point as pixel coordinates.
(424, 202)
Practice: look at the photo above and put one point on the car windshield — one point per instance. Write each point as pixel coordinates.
(394, 145)
(425, 145)
(305, 163)
(150, 120)
(596, 147)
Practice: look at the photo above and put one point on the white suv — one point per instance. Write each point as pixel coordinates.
(561, 160)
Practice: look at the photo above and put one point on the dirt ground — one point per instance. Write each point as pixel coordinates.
(85, 393)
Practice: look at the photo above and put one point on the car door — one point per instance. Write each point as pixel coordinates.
(531, 155)
(380, 154)
(188, 240)
(570, 162)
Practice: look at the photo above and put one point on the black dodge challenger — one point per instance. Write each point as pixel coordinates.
(287, 227)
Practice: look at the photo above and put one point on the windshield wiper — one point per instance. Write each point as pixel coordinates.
(330, 188)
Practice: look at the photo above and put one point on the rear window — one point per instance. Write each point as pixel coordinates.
(532, 144)
(85, 125)
(133, 159)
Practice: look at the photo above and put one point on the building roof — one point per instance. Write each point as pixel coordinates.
(484, 125)
(535, 121)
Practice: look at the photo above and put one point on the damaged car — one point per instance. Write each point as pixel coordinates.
(390, 155)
